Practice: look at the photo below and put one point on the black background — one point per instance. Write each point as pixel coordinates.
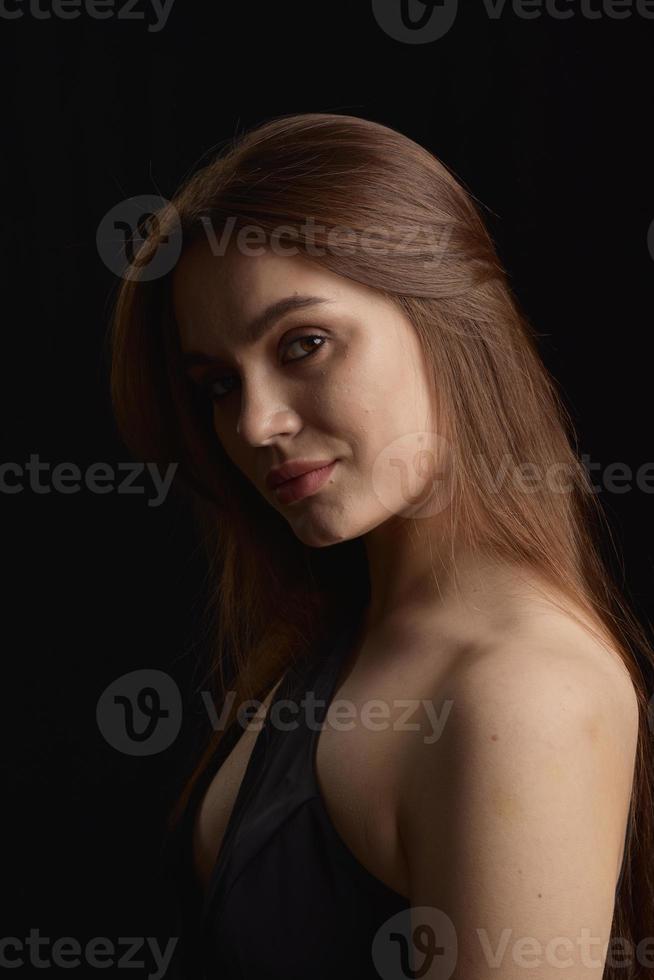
(548, 124)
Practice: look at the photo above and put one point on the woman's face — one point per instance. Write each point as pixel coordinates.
(335, 374)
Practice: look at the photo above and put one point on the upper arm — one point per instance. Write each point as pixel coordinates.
(513, 821)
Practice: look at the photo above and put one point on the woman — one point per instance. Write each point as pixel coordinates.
(397, 524)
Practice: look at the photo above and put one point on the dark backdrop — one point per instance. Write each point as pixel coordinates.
(547, 122)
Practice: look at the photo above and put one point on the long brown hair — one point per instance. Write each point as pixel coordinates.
(271, 598)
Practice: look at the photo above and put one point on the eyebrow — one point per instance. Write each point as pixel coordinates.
(261, 323)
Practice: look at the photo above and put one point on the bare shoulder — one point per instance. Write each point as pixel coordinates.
(533, 647)
(554, 662)
(548, 679)
(522, 802)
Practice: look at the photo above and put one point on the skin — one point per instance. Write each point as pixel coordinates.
(528, 786)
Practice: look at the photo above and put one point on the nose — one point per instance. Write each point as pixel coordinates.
(265, 414)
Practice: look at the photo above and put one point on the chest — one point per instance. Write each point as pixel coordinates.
(356, 766)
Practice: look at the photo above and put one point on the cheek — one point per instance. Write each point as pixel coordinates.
(386, 403)
(389, 425)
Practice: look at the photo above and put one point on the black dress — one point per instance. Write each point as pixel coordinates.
(287, 898)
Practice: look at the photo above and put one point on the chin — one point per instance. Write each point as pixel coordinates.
(319, 532)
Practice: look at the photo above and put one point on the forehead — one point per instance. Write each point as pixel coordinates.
(219, 294)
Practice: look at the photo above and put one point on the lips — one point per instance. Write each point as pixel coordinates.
(292, 469)
(306, 485)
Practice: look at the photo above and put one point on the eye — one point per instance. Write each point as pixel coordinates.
(212, 386)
